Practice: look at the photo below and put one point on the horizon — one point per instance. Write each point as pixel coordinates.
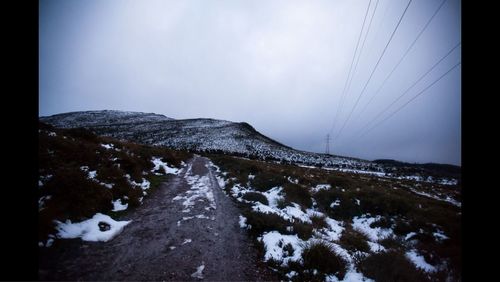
(270, 137)
(382, 78)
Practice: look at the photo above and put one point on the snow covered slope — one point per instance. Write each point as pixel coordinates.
(207, 135)
(99, 118)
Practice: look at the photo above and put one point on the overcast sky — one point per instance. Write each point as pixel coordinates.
(279, 65)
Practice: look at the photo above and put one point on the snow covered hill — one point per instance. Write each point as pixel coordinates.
(240, 139)
(203, 135)
(100, 118)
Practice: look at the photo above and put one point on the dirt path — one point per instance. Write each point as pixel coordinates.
(186, 230)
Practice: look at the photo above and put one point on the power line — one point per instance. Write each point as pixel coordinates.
(350, 68)
(411, 87)
(412, 99)
(374, 69)
(362, 47)
(402, 58)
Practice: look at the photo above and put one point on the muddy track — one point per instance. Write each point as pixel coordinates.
(186, 230)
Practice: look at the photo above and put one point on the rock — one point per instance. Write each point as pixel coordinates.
(103, 226)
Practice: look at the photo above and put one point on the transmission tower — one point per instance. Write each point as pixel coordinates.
(327, 150)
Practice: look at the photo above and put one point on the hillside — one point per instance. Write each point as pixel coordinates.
(239, 139)
(201, 135)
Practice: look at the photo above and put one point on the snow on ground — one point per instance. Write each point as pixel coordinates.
(291, 274)
(48, 243)
(159, 163)
(410, 235)
(273, 196)
(243, 222)
(419, 261)
(200, 190)
(145, 184)
(275, 242)
(198, 274)
(296, 212)
(42, 200)
(332, 232)
(118, 206)
(440, 236)
(220, 180)
(92, 176)
(375, 234)
(357, 171)
(350, 276)
(43, 179)
(447, 199)
(375, 247)
(446, 181)
(108, 146)
(334, 204)
(320, 187)
(429, 179)
(89, 229)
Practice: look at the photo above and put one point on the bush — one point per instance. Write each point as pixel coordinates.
(353, 240)
(264, 181)
(340, 181)
(303, 230)
(262, 222)
(320, 255)
(385, 203)
(345, 211)
(402, 228)
(82, 133)
(382, 222)
(76, 196)
(318, 222)
(256, 197)
(392, 242)
(297, 194)
(390, 266)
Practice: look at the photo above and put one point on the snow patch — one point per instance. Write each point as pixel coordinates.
(419, 261)
(334, 204)
(118, 206)
(375, 247)
(89, 229)
(108, 146)
(275, 243)
(273, 196)
(42, 201)
(362, 224)
(199, 191)
(160, 164)
(351, 276)
(243, 222)
(440, 236)
(198, 274)
(410, 235)
(145, 184)
(320, 187)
